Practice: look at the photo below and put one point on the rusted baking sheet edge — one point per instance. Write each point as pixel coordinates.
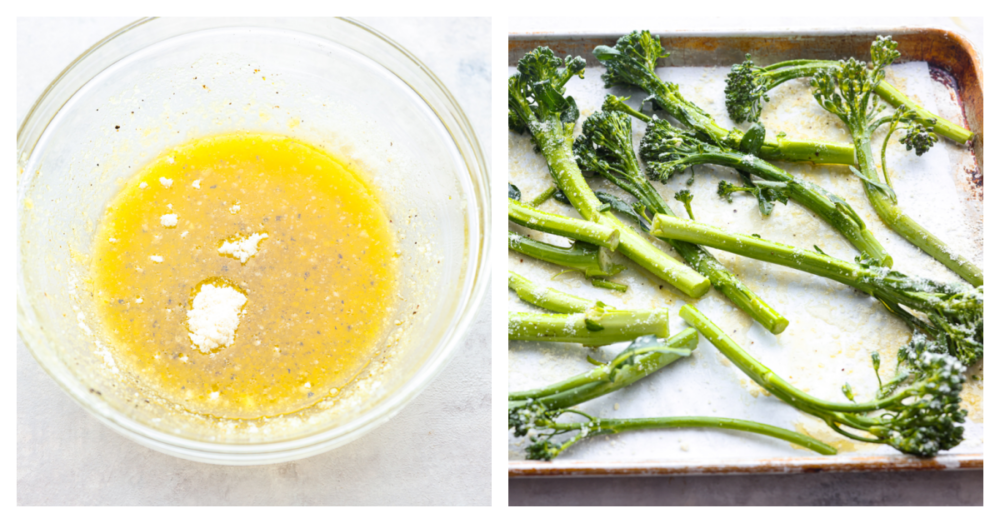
(769, 466)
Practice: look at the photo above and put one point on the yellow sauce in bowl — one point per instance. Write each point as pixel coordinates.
(319, 287)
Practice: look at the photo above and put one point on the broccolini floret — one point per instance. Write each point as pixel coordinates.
(537, 103)
(748, 84)
(668, 150)
(848, 91)
(605, 148)
(534, 413)
(632, 61)
(921, 416)
(949, 313)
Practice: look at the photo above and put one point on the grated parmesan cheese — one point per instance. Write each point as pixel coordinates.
(143, 185)
(215, 316)
(166, 182)
(242, 249)
(157, 259)
(168, 220)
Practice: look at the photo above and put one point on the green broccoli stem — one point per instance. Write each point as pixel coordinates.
(600, 426)
(767, 379)
(545, 297)
(726, 282)
(598, 381)
(808, 195)
(840, 415)
(589, 259)
(920, 419)
(898, 221)
(782, 72)
(558, 152)
(582, 230)
(869, 281)
(543, 196)
(721, 277)
(780, 149)
(949, 130)
(604, 327)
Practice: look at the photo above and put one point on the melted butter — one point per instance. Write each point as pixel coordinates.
(319, 290)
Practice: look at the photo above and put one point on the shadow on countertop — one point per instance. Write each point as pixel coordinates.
(926, 488)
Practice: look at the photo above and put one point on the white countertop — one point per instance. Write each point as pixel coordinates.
(436, 451)
(969, 27)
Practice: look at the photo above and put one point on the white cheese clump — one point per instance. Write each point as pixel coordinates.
(242, 249)
(157, 259)
(143, 185)
(196, 184)
(168, 220)
(214, 316)
(166, 182)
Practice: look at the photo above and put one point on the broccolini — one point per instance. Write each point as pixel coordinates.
(668, 150)
(536, 102)
(848, 92)
(921, 416)
(605, 147)
(954, 312)
(632, 61)
(748, 84)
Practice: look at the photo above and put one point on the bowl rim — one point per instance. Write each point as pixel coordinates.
(477, 265)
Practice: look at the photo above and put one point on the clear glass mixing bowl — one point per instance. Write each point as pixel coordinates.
(330, 82)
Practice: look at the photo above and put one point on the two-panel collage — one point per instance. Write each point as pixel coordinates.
(260, 261)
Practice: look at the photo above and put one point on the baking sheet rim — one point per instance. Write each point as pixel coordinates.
(756, 466)
(765, 466)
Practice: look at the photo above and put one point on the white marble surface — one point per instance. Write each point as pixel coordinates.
(436, 451)
(969, 27)
(912, 488)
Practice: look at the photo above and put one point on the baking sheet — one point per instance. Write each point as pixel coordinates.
(833, 329)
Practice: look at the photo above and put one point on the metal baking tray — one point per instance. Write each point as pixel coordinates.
(955, 82)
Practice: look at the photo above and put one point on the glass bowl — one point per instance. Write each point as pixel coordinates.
(333, 83)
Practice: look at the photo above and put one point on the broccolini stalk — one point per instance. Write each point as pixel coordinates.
(685, 197)
(589, 259)
(536, 102)
(595, 327)
(921, 417)
(543, 196)
(668, 150)
(633, 62)
(747, 86)
(644, 356)
(605, 147)
(847, 91)
(547, 298)
(590, 232)
(535, 411)
(954, 312)
(544, 428)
